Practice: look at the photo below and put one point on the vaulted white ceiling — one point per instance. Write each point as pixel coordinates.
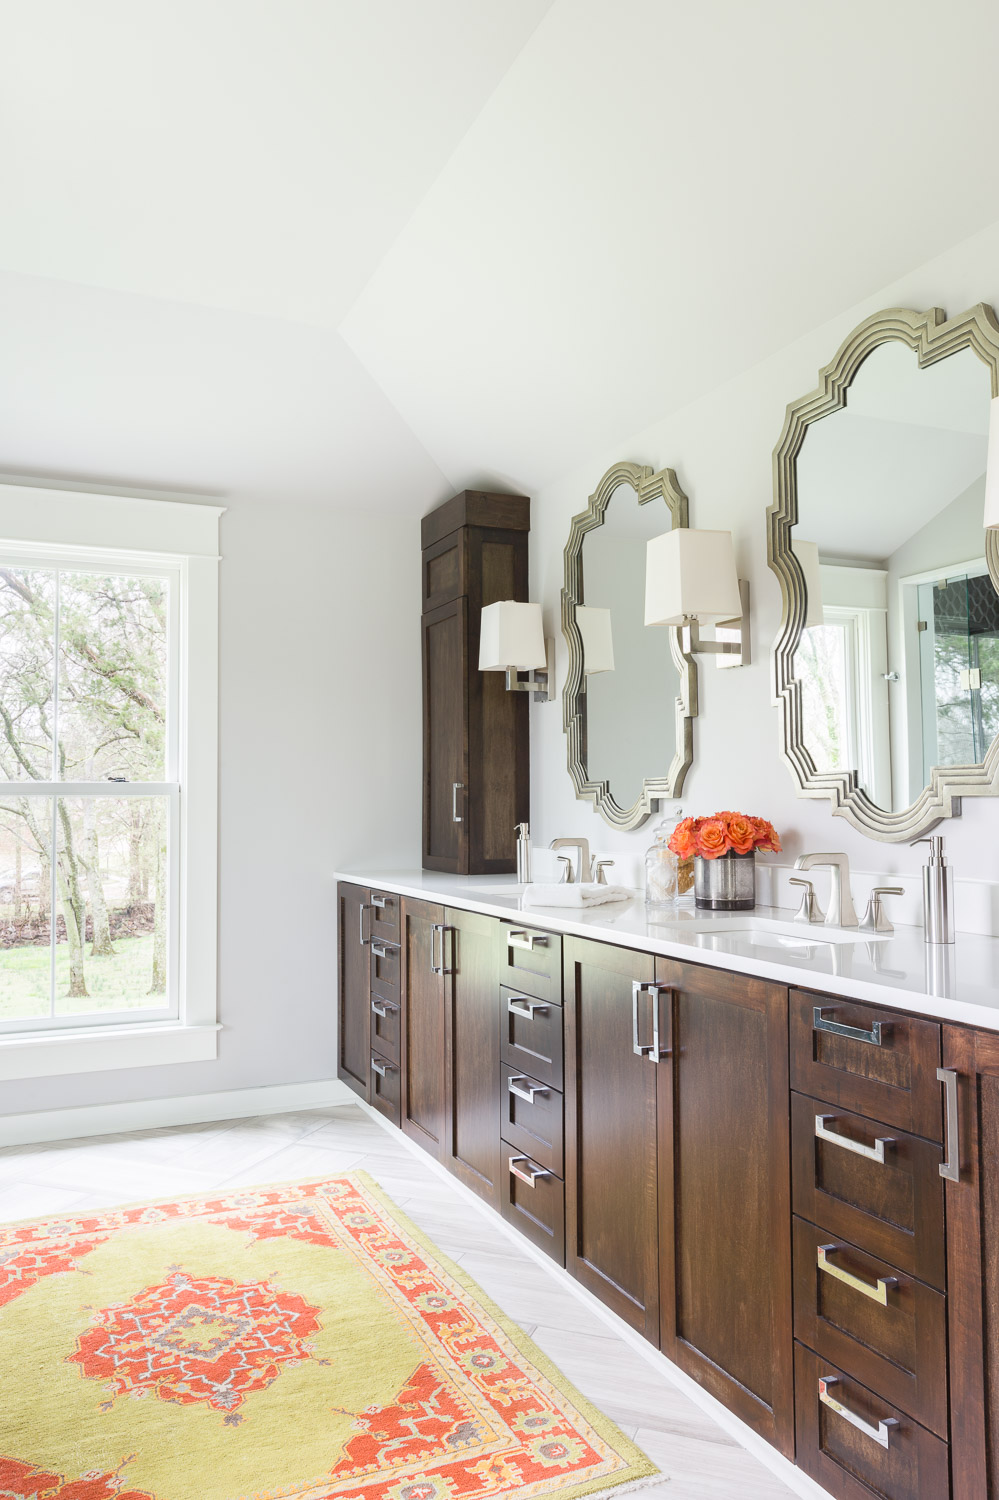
(455, 242)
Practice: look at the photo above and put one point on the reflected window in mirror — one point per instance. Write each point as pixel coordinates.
(895, 659)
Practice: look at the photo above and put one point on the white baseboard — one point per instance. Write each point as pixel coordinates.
(797, 1481)
(190, 1109)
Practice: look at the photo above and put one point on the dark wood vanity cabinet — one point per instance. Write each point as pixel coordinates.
(353, 1039)
(424, 1021)
(476, 744)
(472, 1127)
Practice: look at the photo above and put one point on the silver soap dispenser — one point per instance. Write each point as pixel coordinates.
(938, 893)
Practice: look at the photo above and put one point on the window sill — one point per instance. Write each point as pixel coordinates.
(49, 1054)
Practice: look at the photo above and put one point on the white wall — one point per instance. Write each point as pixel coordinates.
(721, 448)
(320, 699)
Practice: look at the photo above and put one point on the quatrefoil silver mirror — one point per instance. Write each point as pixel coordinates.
(886, 667)
(630, 694)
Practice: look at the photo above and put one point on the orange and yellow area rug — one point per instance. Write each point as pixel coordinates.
(294, 1342)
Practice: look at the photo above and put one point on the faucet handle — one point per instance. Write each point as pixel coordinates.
(601, 866)
(567, 877)
(809, 911)
(874, 919)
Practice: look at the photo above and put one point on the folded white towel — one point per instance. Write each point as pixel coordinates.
(585, 893)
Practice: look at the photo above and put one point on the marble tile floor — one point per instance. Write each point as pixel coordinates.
(698, 1459)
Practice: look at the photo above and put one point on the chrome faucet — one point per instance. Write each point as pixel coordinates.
(841, 912)
(584, 869)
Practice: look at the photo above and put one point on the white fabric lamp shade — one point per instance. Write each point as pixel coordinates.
(512, 635)
(807, 554)
(992, 468)
(598, 642)
(691, 574)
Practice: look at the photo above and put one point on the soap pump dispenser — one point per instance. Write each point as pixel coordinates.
(938, 893)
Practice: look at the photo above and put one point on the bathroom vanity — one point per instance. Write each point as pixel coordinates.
(730, 1131)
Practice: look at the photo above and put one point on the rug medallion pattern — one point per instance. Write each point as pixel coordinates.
(294, 1342)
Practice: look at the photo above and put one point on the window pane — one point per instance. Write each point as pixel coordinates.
(820, 665)
(111, 934)
(112, 676)
(25, 892)
(27, 644)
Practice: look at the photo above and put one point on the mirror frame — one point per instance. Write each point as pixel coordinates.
(933, 337)
(647, 486)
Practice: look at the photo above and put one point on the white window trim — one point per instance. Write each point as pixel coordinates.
(184, 533)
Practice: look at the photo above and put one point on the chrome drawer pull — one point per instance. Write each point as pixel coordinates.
(654, 1052)
(361, 910)
(456, 787)
(528, 940)
(384, 1008)
(525, 1090)
(839, 1028)
(441, 931)
(879, 1434)
(382, 1068)
(519, 1005)
(531, 1174)
(380, 902)
(379, 949)
(872, 1153)
(951, 1167)
(877, 1293)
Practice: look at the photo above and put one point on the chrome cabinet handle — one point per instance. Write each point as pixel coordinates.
(361, 910)
(872, 1153)
(436, 966)
(382, 1068)
(532, 1172)
(528, 940)
(381, 902)
(519, 1005)
(655, 1052)
(456, 787)
(384, 1008)
(378, 949)
(839, 1028)
(950, 1167)
(447, 968)
(525, 1090)
(879, 1434)
(877, 1293)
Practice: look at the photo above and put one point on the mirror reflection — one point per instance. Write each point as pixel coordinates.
(630, 680)
(899, 659)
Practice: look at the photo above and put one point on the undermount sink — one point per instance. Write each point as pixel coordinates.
(771, 932)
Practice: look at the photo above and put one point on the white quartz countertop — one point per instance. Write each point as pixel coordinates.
(959, 982)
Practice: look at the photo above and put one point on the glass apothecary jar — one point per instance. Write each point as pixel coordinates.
(668, 878)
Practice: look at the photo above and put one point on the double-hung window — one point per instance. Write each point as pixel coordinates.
(108, 705)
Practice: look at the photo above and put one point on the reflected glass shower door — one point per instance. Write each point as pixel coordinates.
(959, 670)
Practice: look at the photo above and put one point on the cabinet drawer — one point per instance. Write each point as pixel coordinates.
(881, 1063)
(531, 961)
(385, 1090)
(892, 1207)
(385, 916)
(531, 1036)
(386, 1016)
(531, 1119)
(847, 1458)
(385, 969)
(537, 1210)
(883, 1326)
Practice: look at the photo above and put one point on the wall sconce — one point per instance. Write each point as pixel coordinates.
(690, 578)
(598, 642)
(992, 468)
(512, 640)
(807, 554)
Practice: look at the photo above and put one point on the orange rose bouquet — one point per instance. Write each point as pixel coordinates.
(724, 833)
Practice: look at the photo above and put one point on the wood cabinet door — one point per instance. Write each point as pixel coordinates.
(472, 1132)
(972, 1208)
(423, 1082)
(445, 738)
(353, 1013)
(612, 1244)
(724, 1192)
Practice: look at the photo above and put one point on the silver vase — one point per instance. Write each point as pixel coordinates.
(727, 883)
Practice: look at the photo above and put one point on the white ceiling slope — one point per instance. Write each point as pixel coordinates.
(661, 194)
(252, 154)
